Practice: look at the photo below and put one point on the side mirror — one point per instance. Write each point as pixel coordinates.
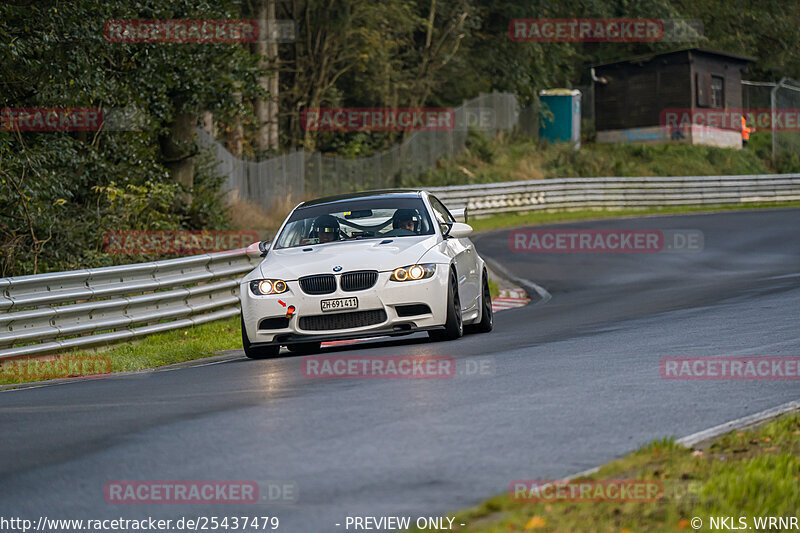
(460, 214)
(263, 247)
(457, 230)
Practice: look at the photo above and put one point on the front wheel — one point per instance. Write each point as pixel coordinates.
(453, 326)
(487, 319)
(258, 351)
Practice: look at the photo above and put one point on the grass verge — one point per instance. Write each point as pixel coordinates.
(149, 352)
(749, 474)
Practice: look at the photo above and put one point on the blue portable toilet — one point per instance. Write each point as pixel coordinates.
(565, 126)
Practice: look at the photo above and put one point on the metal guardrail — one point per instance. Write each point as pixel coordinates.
(77, 309)
(619, 193)
(63, 310)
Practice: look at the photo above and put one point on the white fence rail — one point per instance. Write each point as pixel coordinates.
(620, 193)
(81, 308)
(65, 310)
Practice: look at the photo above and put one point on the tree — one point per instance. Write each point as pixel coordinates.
(53, 54)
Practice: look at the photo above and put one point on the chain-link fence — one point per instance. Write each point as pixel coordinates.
(756, 94)
(260, 182)
(786, 131)
(775, 108)
(289, 176)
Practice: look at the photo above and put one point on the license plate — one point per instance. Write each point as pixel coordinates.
(339, 304)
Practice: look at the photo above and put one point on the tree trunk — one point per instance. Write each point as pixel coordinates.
(234, 133)
(266, 48)
(209, 124)
(178, 150)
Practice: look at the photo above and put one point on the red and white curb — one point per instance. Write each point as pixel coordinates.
(509, 299)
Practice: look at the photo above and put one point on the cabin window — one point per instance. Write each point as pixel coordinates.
(717, 91)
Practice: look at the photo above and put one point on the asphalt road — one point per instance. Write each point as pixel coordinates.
(564, 386)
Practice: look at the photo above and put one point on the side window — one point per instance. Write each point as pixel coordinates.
(441, 212)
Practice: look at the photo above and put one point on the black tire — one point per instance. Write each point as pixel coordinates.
(258, 351)
(487, 317)
(453, 327)
(304, 348)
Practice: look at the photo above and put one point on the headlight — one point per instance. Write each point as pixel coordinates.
(263, 287)
(413, 272)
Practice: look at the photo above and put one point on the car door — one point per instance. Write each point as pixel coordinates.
(464, 256)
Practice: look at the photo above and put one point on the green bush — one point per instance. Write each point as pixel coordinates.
(479, 146)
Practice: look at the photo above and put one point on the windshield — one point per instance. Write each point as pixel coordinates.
(357, 219)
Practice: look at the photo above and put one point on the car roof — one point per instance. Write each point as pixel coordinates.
(365, 195)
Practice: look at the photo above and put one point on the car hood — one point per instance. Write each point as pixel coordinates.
(371, 254)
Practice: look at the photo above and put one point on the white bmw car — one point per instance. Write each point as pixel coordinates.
(364, 265)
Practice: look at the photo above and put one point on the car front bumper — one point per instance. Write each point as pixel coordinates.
(387, 296)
